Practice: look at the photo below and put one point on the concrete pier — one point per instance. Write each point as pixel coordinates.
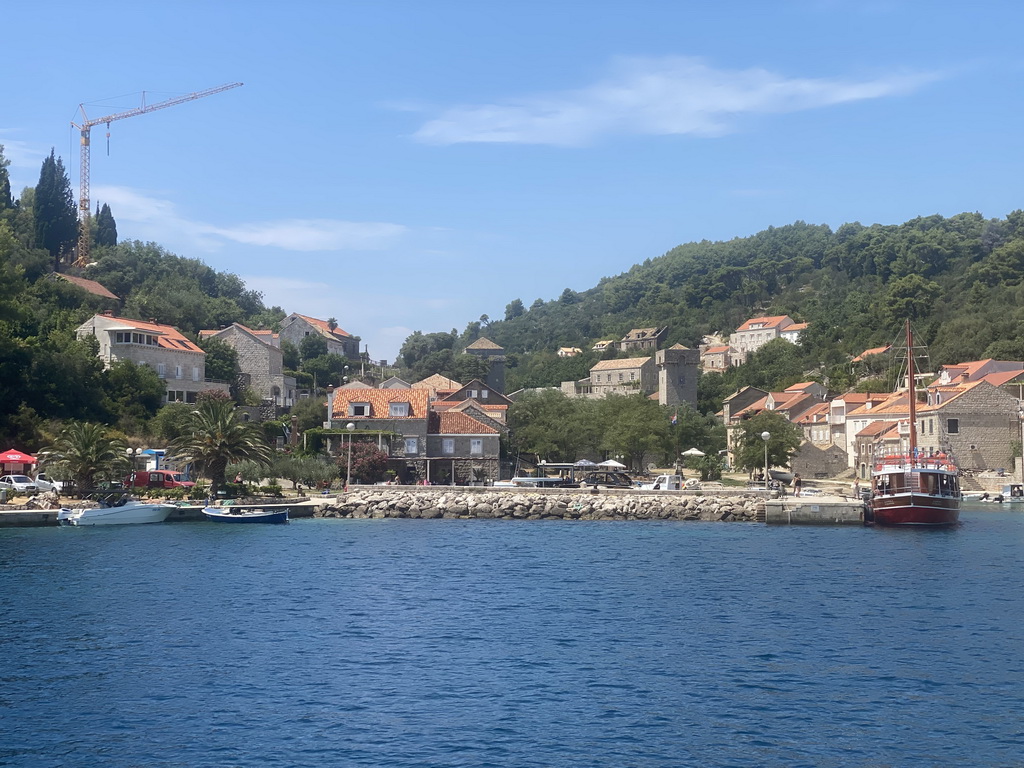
(814, 510)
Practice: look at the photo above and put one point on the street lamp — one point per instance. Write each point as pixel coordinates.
(766, 436)
(348, 473)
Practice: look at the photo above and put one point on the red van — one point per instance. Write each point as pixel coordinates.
(158, 478)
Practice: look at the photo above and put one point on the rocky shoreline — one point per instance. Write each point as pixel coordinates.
(467, 504)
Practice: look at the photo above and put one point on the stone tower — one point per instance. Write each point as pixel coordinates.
(677, 375)
(495, 356)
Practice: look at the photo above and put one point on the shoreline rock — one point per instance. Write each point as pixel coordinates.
(570, 504)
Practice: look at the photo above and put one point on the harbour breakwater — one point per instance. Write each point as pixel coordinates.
(560, 504)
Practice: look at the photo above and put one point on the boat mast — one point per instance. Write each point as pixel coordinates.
(912, 392)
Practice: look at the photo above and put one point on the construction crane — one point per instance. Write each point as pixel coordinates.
(84, 214)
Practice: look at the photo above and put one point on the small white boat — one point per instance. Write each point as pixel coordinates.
(119, 513)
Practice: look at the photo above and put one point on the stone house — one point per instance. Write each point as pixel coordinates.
(296, 327)
(626, 376)
(819, 461)
(758, 331)
(260, 362)
(643, 338)
(448, 446)
(717, 358)
(569, 351)
(176, 360)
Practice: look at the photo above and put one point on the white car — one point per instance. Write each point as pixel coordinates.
(45, 483)
(18, 483)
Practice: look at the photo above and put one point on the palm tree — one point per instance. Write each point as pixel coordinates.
(87, 453)
(217, 438)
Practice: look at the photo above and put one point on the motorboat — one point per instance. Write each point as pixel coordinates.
(914, 488)
(123, 512)
(1012, 495)
(238, 513)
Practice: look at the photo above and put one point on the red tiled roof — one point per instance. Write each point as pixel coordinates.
(379, 401)
(764, 322)
(324, 327)
(89, 285)
(869, 352)
(717, 350)
(457, 423)
(167, 337)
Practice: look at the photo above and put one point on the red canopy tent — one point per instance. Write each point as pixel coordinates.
(12, 456)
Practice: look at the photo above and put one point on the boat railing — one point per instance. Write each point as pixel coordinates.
(939, 461)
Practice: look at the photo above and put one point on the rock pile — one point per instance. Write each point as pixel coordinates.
(526, 505)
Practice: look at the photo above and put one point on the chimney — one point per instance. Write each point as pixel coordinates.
(108, 313)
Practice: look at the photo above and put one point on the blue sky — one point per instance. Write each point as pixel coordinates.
(408, 166)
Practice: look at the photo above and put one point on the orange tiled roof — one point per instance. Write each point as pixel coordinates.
(869, 352)
(167, 337)
(457, 423)
(323, 327)
(717, 350)
(89, 285)
(379, 401)
(764, 322)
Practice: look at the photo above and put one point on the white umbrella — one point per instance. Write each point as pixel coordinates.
(693, 452)
(611, 463)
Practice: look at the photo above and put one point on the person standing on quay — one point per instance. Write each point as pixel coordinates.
(796, 484)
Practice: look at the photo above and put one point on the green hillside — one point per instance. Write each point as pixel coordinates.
(957, 278)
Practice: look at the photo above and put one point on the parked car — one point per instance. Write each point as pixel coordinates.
(157, 478)
(45, 483)
(18, 483)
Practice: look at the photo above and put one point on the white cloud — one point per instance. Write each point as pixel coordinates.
(672, 95)
(314, 234)
(160, 221)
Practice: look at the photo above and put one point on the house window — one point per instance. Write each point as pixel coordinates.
(620, 377)
(448, 446)
(411, 446)
(632, 375)
(931, 426)
(195, 373)
(953, 426)
(476, 446)
(177, 371)
(471, 394)
(483, 394)
(358, 409)
(398, 410)
(161, 370)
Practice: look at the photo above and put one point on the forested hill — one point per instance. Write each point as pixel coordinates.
(958, 279)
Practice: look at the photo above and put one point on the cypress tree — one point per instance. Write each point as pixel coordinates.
(6, 201)
(106, 227)
(55, 216)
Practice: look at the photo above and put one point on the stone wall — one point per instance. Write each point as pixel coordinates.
(570, 504)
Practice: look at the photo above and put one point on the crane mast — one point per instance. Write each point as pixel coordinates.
(85, 127)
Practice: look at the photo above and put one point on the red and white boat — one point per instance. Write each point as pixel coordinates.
(914, 488)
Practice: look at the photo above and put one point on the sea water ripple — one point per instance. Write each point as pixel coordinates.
(504, 643)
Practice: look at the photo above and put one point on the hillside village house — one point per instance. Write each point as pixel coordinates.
(447, 446)
(717, 358)
(175, 359)
(260, 362)
(758, 331)
(569, 351)
(643, 338)
(603, 346)
(749, 401)
(296, 327)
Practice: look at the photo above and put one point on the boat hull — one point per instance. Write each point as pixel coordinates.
(243, 515)
(128, 514)
(915, 509)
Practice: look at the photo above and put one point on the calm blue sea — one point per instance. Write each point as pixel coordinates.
(499, 643)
